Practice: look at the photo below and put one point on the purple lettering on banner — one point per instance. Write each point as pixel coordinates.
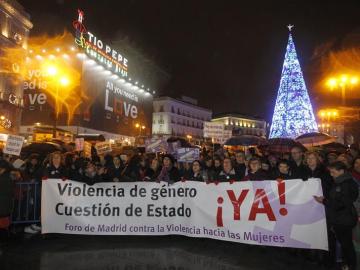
(295, 216)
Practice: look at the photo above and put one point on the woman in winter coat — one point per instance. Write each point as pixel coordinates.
(55, 168)
(341, 213)
(197, 174)
(169, 173)
(314, 169)
(256, 173)
(153, 171)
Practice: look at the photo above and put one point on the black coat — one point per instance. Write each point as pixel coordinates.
(198, 177)
(226, 177)
(6, 195)
(151, 174)
(240, 169)
(298, 172)
(170, 176)
(52, 172)
(340, 201)
(323, 174)
(282, 176)
(257, 176)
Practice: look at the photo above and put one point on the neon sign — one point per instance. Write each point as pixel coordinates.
(96, 49)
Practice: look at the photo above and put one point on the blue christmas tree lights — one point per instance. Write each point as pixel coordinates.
(293, 113)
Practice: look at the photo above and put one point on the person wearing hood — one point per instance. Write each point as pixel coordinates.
(169, 173)
(341, 213)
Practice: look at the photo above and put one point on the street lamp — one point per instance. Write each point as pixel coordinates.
(189, 137)
(342, 82)
(140, 127)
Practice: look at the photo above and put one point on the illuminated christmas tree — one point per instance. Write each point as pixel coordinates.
(293, 113)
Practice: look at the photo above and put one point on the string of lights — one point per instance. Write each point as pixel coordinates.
(293, 113)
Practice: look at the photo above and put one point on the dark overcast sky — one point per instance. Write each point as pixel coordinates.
(227, 54)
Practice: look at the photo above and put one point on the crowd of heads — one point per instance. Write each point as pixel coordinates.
(251, 165)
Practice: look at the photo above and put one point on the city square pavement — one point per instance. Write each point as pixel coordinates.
(137, 253)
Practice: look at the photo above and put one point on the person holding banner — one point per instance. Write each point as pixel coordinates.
(115, 168)
(342, 216)
(55, 169)
(228, 173)
(240, 166)
(283, 170)
(255, 173)
(153, 171)
(197, 173)
(169, 173)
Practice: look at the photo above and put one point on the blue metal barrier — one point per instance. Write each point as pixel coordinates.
(27, 203)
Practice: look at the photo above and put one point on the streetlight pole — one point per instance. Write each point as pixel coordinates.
(342, 82)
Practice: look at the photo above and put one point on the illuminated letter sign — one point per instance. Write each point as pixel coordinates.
(96, 49)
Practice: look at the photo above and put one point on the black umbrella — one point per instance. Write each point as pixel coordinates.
(280, 145)
(245, 140)
(40, 148)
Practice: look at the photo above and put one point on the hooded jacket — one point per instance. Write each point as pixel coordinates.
(340, 201)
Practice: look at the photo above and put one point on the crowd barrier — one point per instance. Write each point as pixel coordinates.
(27, 203)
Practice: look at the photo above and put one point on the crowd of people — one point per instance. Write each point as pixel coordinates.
(339, 174)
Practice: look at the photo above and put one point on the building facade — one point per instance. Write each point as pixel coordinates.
(179, 117)
(241, 124)
(15, 26)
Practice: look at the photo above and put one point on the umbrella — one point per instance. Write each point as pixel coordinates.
(245, 140)
(315, 139)
(334, 147)
(40, 148)
(280, 145)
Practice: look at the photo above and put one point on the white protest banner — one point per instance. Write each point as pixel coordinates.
(273, 213)
(187, 154)
(213, 130)
(154, 145)
(79, 144)
(103, 147)
(13, 145)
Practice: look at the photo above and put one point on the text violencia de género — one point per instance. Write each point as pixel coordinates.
(163, 191)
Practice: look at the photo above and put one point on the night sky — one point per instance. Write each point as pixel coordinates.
(226, 54)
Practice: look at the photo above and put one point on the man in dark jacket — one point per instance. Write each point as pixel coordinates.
(341, 213)
(297, 166)
(239, 166)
